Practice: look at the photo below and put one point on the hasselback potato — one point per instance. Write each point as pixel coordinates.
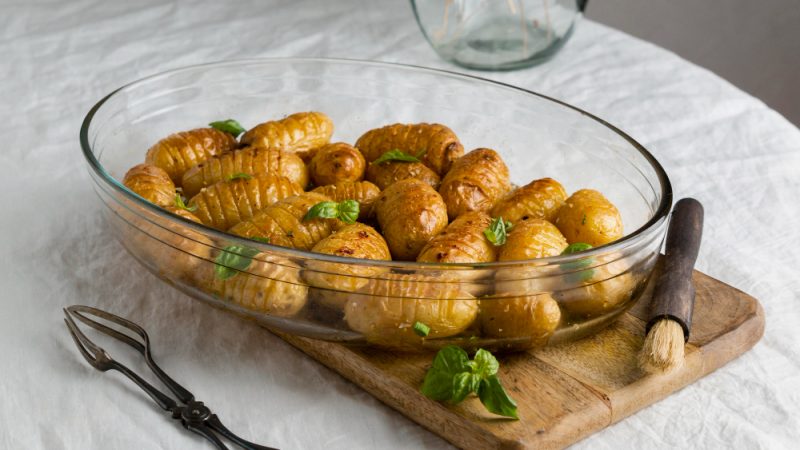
(151, 183)
(531, 239)
(300, 133)
(604, 289)
(531, 318)
(539, 199)
(587, 216)
(364, 192)
(387, 173)
(179, 152)
(251, 161)
(476, 182)
(462, 241)
(436, 144)
(337, 162)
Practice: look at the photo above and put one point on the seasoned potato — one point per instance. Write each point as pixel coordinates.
(587, 216)
(337, 162)
(533, 317)
(282, 223)
(268, 285)
(388, 307)
(178, 152)
(531, 239)
(251, 161)
(364, 192)
(440, 145)
(608, 288)
(539, 199)
(475, 182)
(151, 183)
(337, 282)
(387, 173)
(410, 213)
(462, 241)
(227, 203)
(300, 133)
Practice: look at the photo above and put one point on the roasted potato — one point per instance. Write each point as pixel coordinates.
(539, 199)
(462, 241)
(531, 318)
(179, 152)
(440, 145)
(587, 216)
(300, 133)
(151, 183)
(608, 288)
(334, 163)
(268, 285)
(337, 282)
(229, 202)
(410, 213)
(364, 192)
(251, 161)
(282, 223)
(387, 173)
(387, 308)
(531, 239)
(476, 182)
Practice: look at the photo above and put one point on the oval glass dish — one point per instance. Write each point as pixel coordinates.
(499, 306)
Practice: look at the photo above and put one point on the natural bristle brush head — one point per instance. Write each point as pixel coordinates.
(663, 349)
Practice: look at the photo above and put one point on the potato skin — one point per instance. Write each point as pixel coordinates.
(539, 199)
(364, 192)
(179, 152)
(609, 288)
(300, 133)
(410, 213)
(476, 182)
(390, 172)
(351, 241)
(387, 308)
(282, 223)
(533, 317)
(587, 216)
(251, 161)
(462, 241)
(227, 203)
(337, 162)
(531, 239)
(440, 144)
(151, 183)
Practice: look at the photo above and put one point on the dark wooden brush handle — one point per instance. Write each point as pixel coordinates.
(673, 297)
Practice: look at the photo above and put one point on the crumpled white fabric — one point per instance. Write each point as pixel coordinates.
(718, 144)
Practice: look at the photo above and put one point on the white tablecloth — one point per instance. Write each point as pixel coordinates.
(59, 57)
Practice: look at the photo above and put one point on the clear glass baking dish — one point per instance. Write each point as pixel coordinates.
(536, 303)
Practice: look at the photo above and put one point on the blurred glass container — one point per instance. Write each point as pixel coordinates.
(497, 34)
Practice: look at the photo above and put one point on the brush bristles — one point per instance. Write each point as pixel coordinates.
(663, 347)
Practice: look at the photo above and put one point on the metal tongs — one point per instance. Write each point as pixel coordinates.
(193, 414)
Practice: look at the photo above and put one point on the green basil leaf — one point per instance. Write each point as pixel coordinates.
(265, 240)
(228, 126)
(437, 386)
(583, 275)
(421, 329)
(179, 203)
(496, 399)
(464, 384)
(485, 363)
(232, 260)
(348, 211)
(576, 248)
(451, 360)
(325, 210)
(397, 155)
(497, 231)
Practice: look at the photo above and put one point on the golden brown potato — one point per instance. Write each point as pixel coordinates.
(282, 223)
(251, 161)
(336, 281)
(337, 162)
(300, 133)
(151, 183)
(440, 145)
(539, 199)
(476, 182)
(462, 241)
(179, 152)
(387, 173)
(531, 239)
(268, 285)
(364, 192)
(608, 288)
(587, 216)
(227, 203)
(387, 308)
(533, 318)
(410, 213)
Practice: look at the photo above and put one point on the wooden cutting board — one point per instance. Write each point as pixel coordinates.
(565, 392)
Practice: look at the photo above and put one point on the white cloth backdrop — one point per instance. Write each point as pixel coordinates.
(57, 58)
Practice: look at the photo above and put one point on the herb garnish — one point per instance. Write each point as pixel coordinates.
(577, 247)
(265, 240)
(346, 211)
(421, 329)
(240, 176)
(452, 377)
(232, 260)
(228, 126)
(497, 231)
(179, 203)
(398, 155)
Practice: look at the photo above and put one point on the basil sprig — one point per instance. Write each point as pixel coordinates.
(228, 126)
(346, 211)
(452, 377)
(583, 275)
(232, 260)
(398, 155)
(179, 203)
(497, 233)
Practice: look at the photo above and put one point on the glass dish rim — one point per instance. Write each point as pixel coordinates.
(616, 247)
